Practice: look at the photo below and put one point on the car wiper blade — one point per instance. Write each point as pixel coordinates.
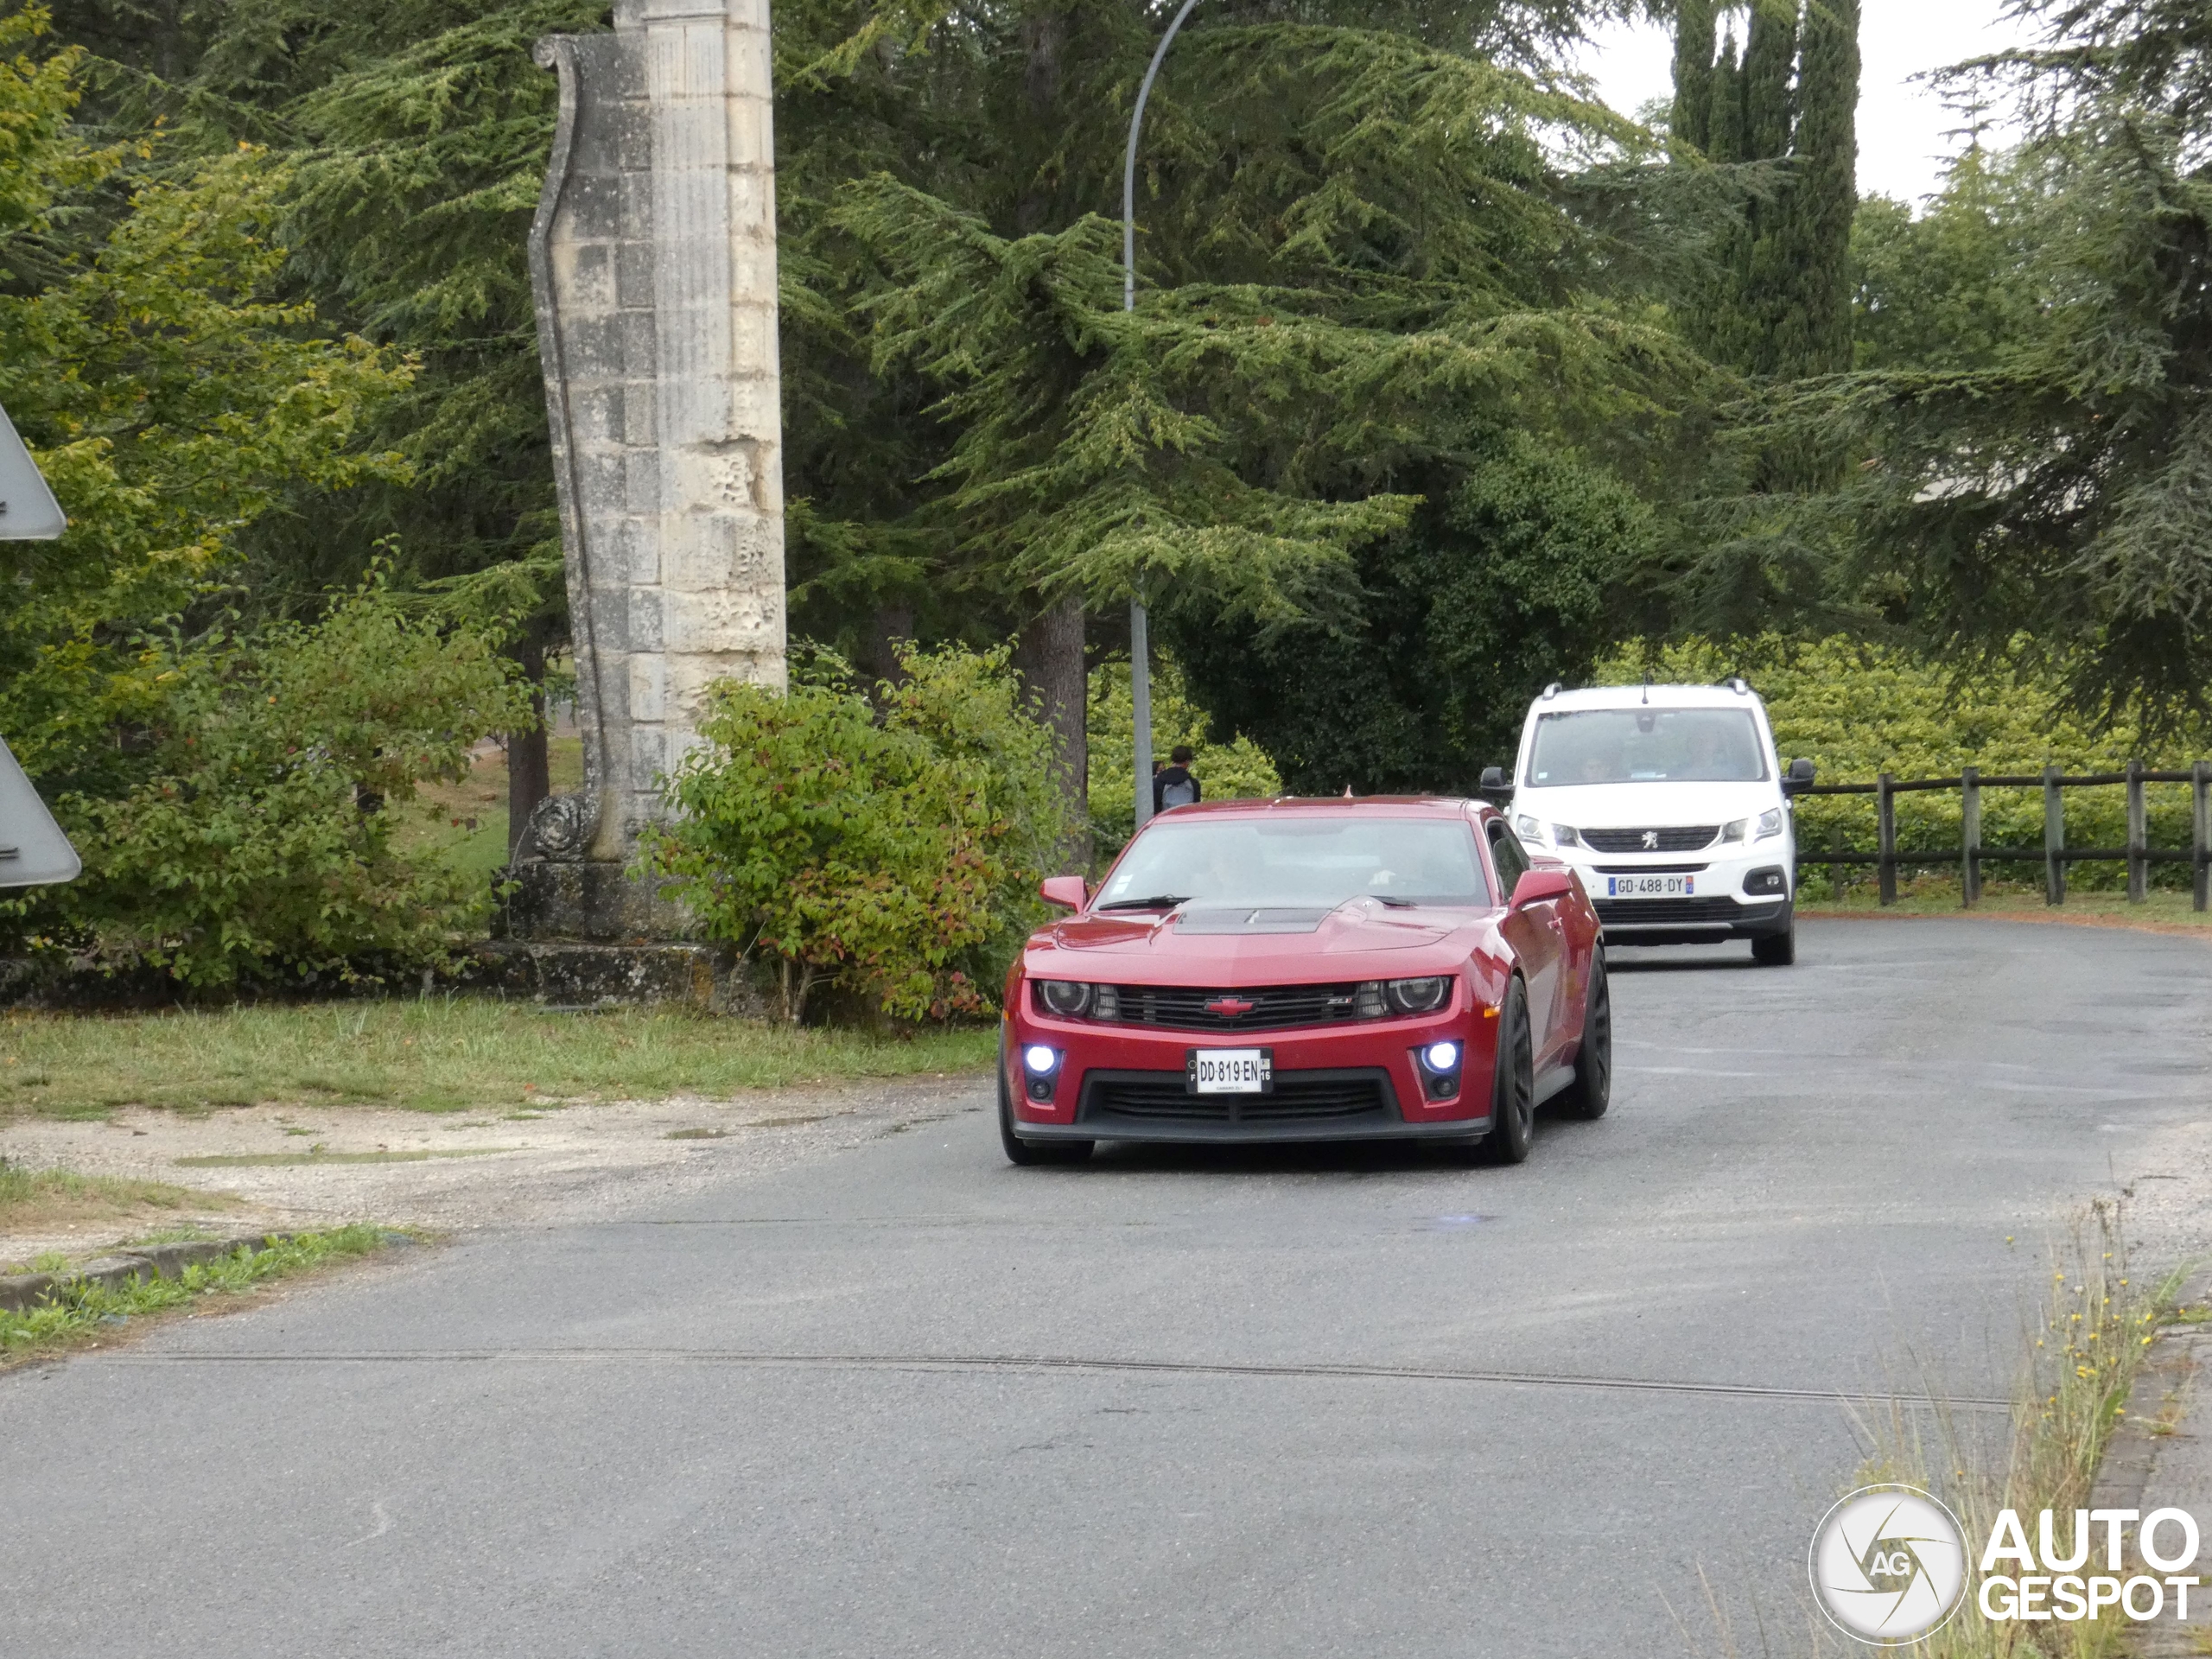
(1395, 903)
(1158, 901)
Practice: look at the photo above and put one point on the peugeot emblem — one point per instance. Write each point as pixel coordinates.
(1651, 841)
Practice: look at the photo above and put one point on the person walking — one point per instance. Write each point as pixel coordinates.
(1173, 786)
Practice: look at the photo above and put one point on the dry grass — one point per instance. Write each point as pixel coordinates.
(431, 1055)
(54, 1200)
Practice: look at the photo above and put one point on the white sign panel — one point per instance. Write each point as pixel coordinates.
(29, 512)
(33, 849)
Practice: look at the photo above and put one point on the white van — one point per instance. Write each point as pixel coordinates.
(1670, 801)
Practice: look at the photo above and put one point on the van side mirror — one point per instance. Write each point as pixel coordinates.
(1536, 885)
(1066, 892)
(1798, 778)
(1493, 782)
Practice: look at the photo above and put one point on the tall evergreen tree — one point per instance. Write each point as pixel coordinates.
(1725, 122)
(1692, 119)
(1813, 324)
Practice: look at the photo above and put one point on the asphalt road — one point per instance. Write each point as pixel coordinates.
(1334, 1401)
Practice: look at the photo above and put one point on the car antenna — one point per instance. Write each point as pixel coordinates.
(1647, 685)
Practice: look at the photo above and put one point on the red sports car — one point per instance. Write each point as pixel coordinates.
(1383, 968)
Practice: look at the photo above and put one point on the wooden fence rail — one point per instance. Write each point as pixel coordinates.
(2053, 855)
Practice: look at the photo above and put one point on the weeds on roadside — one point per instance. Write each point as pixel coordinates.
(2097, 1322)
(74, 1311)
(2082, 1351)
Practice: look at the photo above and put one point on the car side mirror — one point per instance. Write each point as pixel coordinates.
(1536, 885)
(1493, 782)
(1798, 778)
(1067, 892)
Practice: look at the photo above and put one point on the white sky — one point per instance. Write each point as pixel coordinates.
(1901, 124)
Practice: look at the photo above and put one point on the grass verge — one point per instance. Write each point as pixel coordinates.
(438, 1056)
(79, 1315)
(47, 1200)
(2162, 911)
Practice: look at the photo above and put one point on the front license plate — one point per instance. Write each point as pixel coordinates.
(1229, 1071)
(1650, 886)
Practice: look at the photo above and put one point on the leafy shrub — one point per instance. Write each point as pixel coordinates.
(1237, 770)
(1856, 710)
(255, 839)
(892, 848)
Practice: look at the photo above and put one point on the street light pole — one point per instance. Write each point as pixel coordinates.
(1140, 648)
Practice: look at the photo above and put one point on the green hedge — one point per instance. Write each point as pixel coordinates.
(1856, 710)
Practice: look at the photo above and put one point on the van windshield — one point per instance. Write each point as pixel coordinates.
(1646, 746)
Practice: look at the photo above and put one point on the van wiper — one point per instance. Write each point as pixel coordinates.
(1158, 901)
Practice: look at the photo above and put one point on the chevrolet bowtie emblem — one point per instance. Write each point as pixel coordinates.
(1229, 1007)
(1650, 840)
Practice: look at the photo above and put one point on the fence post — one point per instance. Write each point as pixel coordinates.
(2138, 836)
(2200, 783)
(1886, 809)
(1970, 835)
(2054, 839)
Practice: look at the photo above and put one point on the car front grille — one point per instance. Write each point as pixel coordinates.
(1134, 1099)
(1179, 1008)
(1673, 838)
(1676, 912)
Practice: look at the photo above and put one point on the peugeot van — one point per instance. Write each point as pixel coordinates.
(1671, 803)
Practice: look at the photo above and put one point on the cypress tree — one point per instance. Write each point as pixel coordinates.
(1770, 53)
(1692, 119)
(1815, 332)
(1725, 119)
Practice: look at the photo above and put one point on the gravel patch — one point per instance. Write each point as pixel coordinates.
(296, 1167)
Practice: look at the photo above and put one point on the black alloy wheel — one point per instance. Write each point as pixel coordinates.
(1030, 1153)
(1591, 1091)
(1513, 1084)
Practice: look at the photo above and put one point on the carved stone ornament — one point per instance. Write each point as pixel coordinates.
(561, 827)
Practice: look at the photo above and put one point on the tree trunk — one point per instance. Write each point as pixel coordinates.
(891, 626)
(530, 771)
(1051, 660)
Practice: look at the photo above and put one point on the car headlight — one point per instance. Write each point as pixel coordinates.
(1419, 995)
(1735, 832)
(1564, 837)
(1769, 822)
(1069, 998)
(1528, 828)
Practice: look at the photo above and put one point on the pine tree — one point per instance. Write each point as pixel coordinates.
(1769, 56)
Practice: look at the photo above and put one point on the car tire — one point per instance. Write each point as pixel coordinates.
(1777, 950)
(1513, 1083)
(1591, 1091)
(1029, 1154)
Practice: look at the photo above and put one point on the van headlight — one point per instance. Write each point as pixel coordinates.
(1735, 832)
(1769, 822)
(1528, 828)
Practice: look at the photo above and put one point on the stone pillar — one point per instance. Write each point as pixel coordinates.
(653, 261)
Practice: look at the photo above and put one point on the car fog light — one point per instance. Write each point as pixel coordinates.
(1040, 1059)
(1442, 1057)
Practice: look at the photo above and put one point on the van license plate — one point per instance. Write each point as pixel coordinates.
(1229, 1071)
(1650, 886)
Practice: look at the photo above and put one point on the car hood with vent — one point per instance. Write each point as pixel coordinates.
(1216, 944)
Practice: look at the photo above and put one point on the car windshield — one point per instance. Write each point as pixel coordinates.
(1646, 746)
(1300, 859)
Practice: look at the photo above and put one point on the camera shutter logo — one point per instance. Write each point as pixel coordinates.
(1888, 1565)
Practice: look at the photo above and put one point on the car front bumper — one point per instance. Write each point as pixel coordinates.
(1361, 1081)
